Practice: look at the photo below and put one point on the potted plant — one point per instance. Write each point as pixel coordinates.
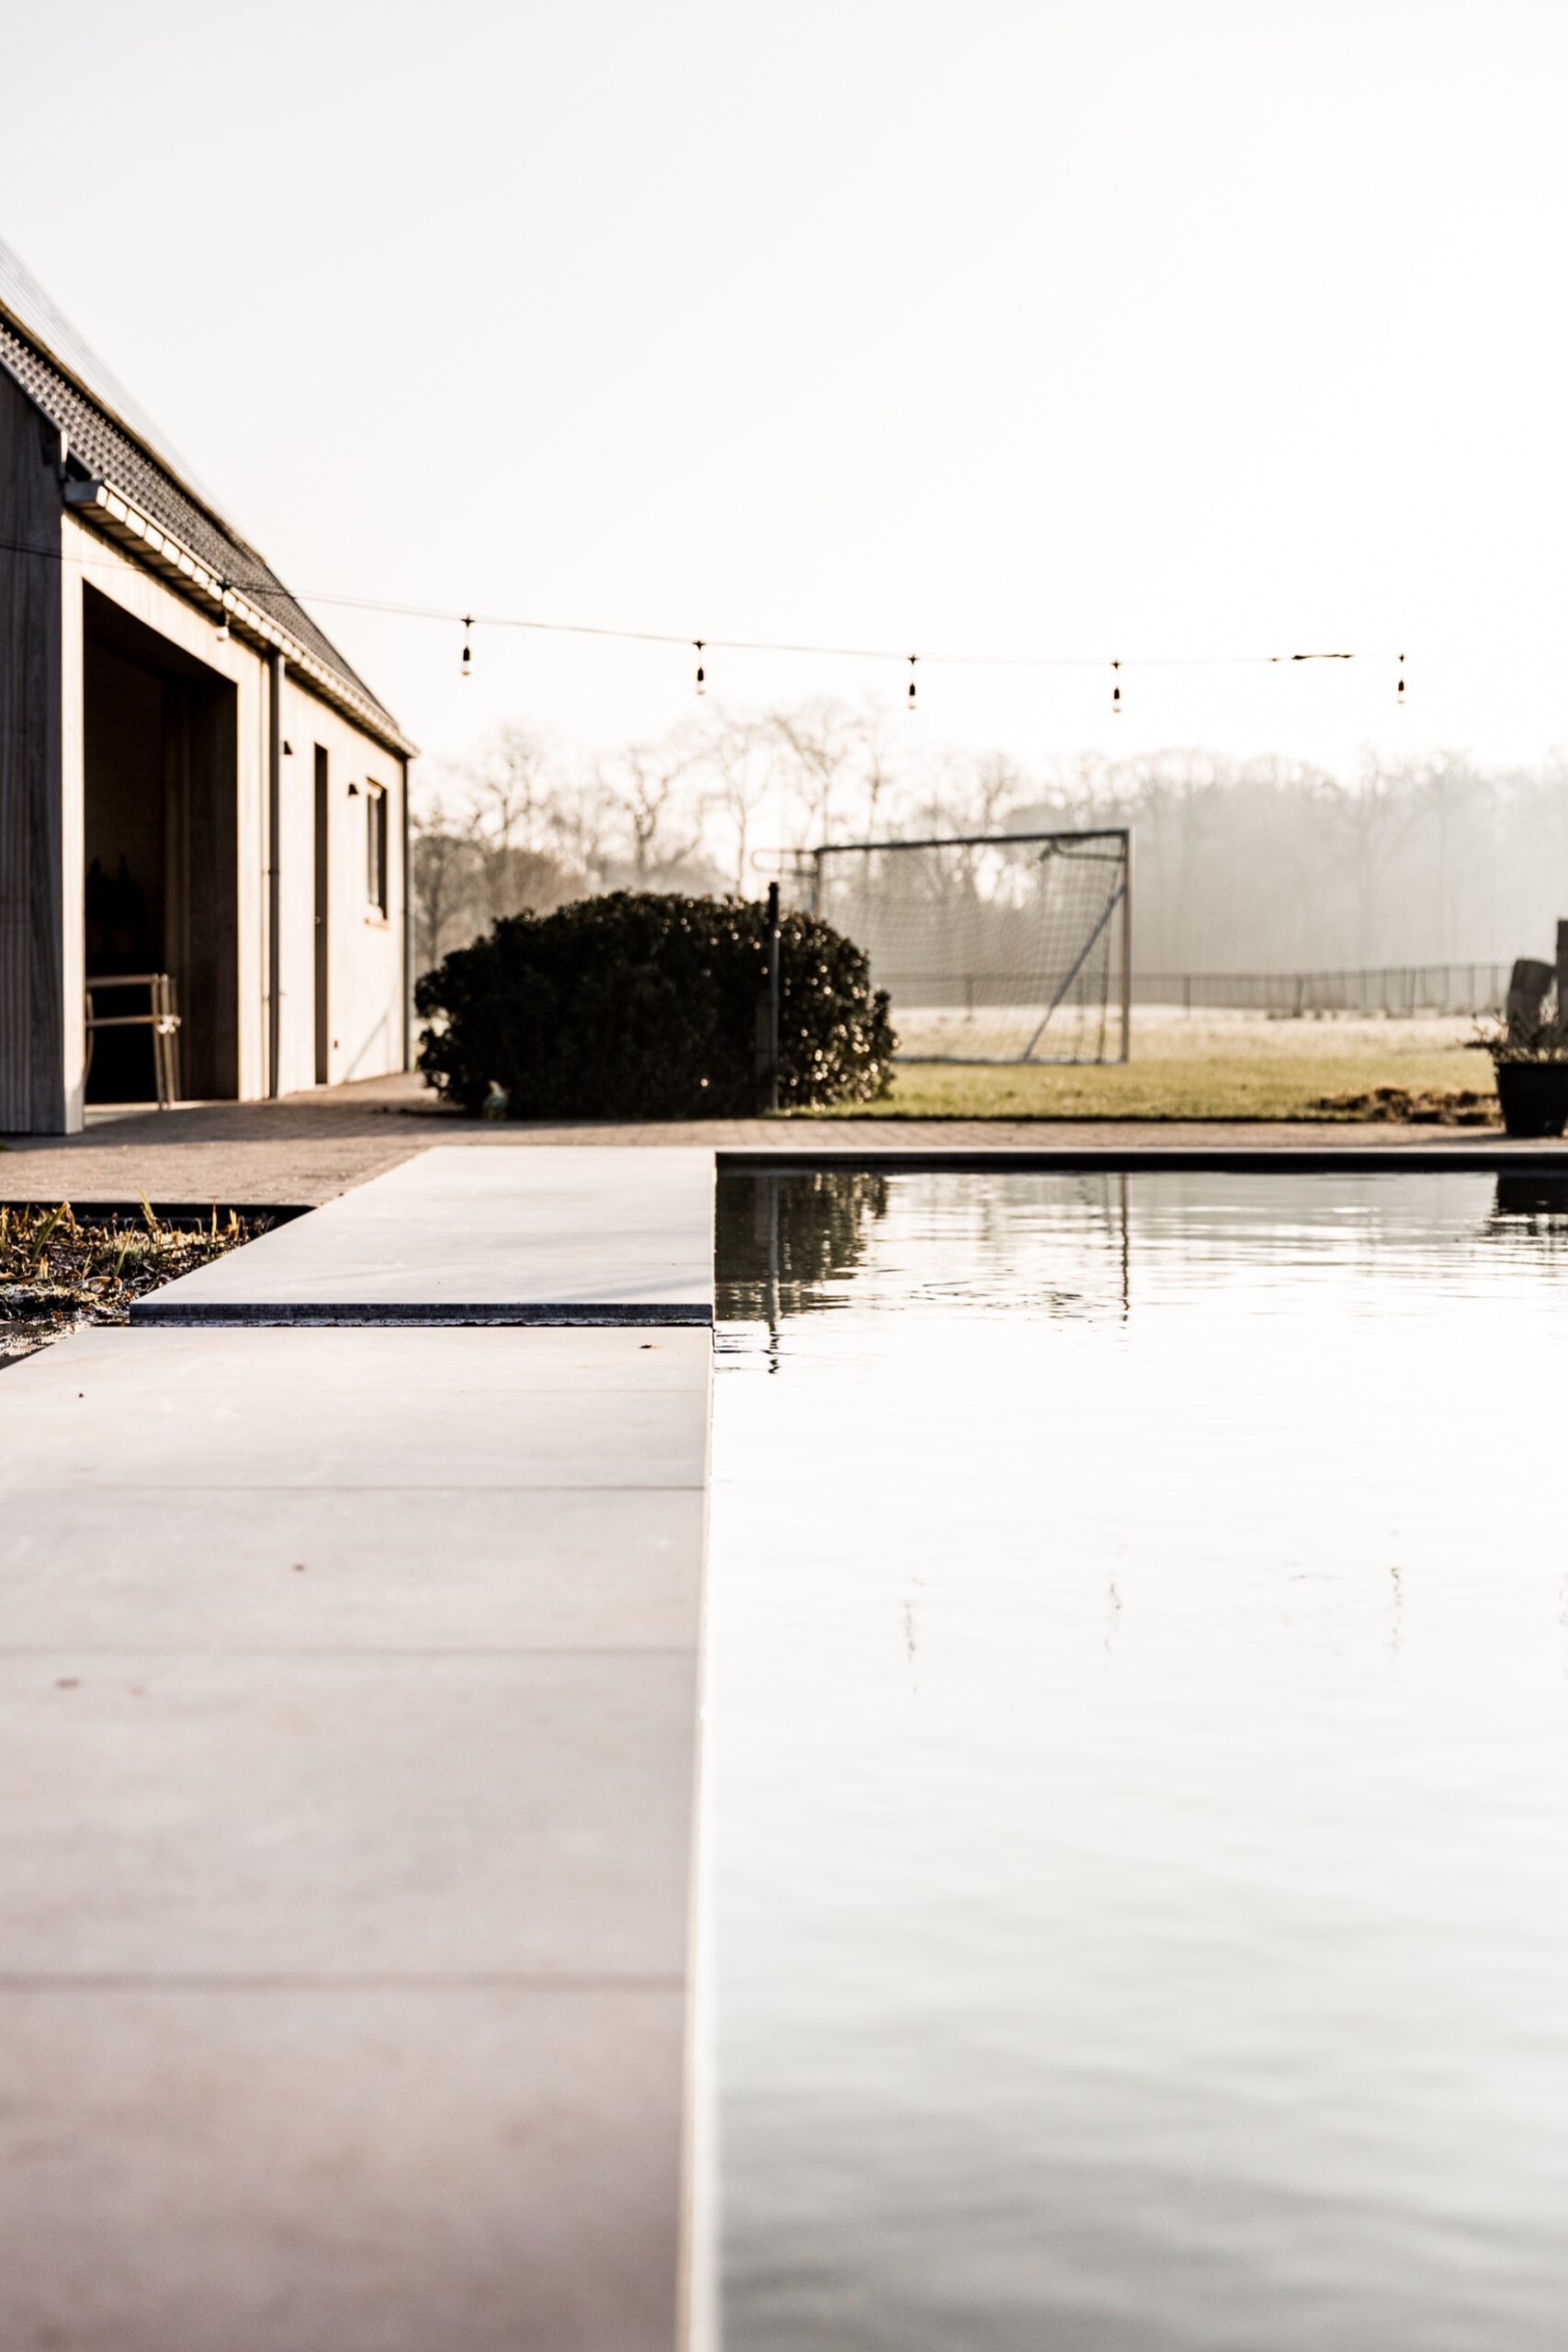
(1529, 1056)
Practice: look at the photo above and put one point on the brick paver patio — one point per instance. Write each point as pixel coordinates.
(309, 1148)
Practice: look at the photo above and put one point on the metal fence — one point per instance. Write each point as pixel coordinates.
(1409, 989)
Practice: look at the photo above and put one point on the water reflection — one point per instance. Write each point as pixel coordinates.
(788, 1242)
(1538, 1203)
(814, 1243)
(1138, 1766)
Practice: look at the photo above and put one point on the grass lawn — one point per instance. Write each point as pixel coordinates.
(1220, 1066)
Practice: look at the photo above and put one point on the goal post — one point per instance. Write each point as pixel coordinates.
(993, 947)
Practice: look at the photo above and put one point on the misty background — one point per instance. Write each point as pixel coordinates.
(1260, 864)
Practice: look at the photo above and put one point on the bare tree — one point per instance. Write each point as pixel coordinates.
(448, 909)
(883, 749)
(973, 795)
(1446, 790)
(740, 756)
(822, 742)
(494, 853)
(1375, 817)
(649, 786)
(510, 799)
(582, 830)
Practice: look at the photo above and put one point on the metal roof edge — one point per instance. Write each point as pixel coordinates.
(134, 533)
(27, 310)
(39, 323)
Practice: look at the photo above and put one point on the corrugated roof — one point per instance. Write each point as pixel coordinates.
(109, 435)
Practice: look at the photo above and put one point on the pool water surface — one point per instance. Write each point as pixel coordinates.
(1135, 1902)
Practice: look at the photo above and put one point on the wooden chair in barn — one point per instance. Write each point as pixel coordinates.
(161, 1018)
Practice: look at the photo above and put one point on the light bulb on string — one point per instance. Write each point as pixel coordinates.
(702, 684)
(466, 670)
(1399, 690)
(913, 659)
(223, 613)
(1116, 690)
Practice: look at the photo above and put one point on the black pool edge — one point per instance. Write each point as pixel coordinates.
(1360, 1159)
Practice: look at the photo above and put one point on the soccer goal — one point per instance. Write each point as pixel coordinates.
(994, 947)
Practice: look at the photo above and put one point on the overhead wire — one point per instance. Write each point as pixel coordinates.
(949, 658)
(468, 622)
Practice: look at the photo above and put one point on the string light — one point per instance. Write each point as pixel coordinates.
(223, 613)
(269, 589)
(1399, 690)
(955, 660)
(913, 659)
(1116, 690)
(702, 687)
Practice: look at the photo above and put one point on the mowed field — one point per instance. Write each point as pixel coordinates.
(1223, 1066)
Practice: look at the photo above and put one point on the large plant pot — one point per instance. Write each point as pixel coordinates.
(1534, 1097)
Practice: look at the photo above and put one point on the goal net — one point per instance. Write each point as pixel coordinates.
(994, 947)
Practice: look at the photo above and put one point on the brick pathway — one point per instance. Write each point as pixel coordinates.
(310, 1147)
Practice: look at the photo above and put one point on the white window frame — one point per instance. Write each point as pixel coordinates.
(378, 850)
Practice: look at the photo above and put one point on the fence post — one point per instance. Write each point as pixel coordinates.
(1127, 944)
(773, 995)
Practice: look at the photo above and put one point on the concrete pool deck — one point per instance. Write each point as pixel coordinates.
(591, 1234)
(351, 1700)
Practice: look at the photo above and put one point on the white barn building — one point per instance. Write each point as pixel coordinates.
(196, 788)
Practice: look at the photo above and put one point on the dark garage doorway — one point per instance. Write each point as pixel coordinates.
(161, 852)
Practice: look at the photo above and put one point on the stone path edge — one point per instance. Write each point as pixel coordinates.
(185, 1214)
(438, 1315)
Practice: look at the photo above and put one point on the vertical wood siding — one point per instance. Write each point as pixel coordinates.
(32, 1045)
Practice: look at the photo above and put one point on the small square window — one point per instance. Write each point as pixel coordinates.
(375, 846)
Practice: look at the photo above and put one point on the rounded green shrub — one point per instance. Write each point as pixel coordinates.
(642, 1006)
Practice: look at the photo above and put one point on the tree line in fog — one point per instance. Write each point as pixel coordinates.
(1240, 865)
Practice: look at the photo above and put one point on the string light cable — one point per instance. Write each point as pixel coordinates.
(705, 645)
(468, 622)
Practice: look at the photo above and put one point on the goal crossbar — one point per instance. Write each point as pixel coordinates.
(1123, 833)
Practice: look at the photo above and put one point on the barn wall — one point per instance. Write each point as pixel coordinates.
(47, 557)
(40, 916)
(366, 953)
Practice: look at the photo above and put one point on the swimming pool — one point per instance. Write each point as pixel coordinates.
(1137, 1786)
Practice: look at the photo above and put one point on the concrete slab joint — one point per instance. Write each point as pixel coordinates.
(351, 1699)
(583, 1234)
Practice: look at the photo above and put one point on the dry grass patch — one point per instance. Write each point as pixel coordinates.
(58, 1271)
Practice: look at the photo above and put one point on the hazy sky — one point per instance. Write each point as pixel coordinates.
(1113, 328)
